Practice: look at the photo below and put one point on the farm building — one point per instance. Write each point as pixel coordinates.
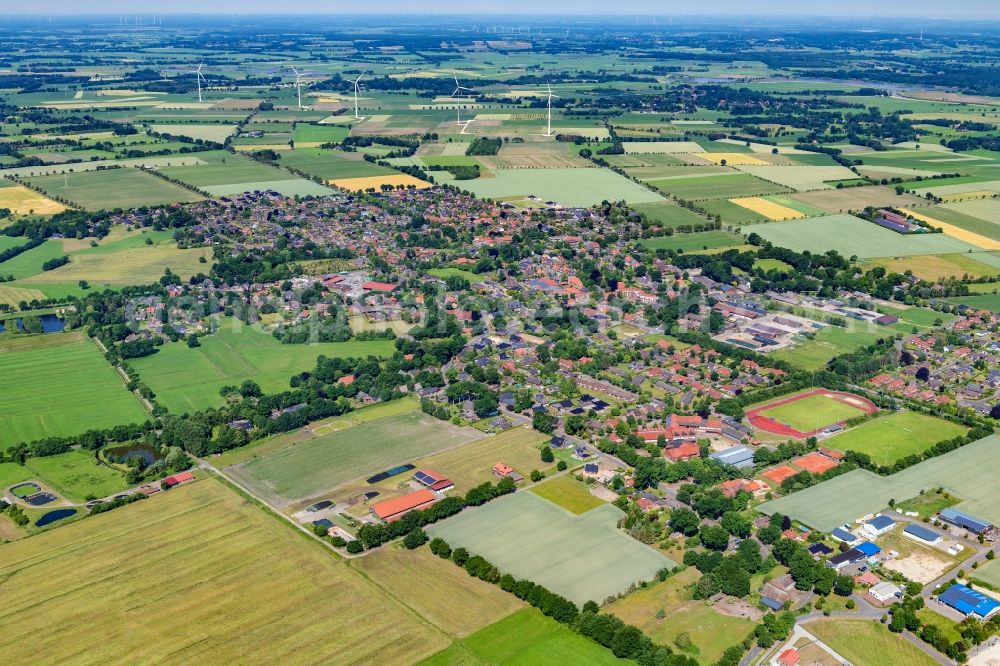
(393, 509)
(964, 520)
(969, 602)
(883, 592)
(840, 534)
(176, 480)
(737, 456)
(878, 526)
(922, 534)
(500, 470)
(431, 479)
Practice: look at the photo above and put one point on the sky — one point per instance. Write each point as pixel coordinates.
(983, 9)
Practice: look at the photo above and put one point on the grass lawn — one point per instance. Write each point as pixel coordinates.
(858, 640)
(526, 637)
(568, 493)
(989, 302)
(702, 240)
(771, 265)
(421, 580)
(928, 504)
(124, 567)
(323, 463)
(59, 384)
(11, 474)
(448, 272)
(814, 354)
(267, 445)
(583, 557)
(711, 632)
(77, 475)
(988, 572)
(113, 188)
(967, 472)
(813, 413)
(889, 438)
(948, 628)
(186, 379)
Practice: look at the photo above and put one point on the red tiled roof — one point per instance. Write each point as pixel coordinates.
(392, 509)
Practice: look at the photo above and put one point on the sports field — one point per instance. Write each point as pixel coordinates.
(851, 236)
(186, 379)
(809, 412)
(22, 201)
(421, 579)
(568, 493)
(569, 187)
(583, 557)
(526, 637)
(968, 473)
(113, 188)
(900, 434)
(322, 463)
(76, 475)
(711, 632)
(59, 384)
(123, 568)
(858, 640)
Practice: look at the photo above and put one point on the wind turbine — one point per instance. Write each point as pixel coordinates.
(200, 77)
(455, 95)
(298, 85)
(357, 87)
(548, 126)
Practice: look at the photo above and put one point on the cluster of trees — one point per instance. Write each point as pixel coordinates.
(727, 574)
(372, 535)
(904, 617)
(14, 512)
(624, 640)
(52, 264)
(484, 146)
(809, 574)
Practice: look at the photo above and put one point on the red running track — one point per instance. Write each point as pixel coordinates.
(761, 422)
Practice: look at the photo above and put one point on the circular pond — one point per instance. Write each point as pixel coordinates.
(53, 516)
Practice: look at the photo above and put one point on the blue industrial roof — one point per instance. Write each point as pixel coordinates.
(922, 533)
(968, 601)
(844, 535)
(868, 548)
(881, 522)
(964, 520)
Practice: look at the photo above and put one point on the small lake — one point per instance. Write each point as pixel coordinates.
(125, 452)
(50, 324)
(53, 516)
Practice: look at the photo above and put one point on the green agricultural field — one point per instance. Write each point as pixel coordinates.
(851, 236)
(217, 132)
(857, 640)
(328, 165)
(12, 473)
(581, 557)
(889, 438)
(801, 178)
(989, 302)
(813, 413)
(828, 342)
(77, 475)
(568, 493)
(226, 170)
(59, 384)
(702, 240)
(732, 213)
(967, 473)
(188, 379)
(989, 573)
(113, 188)
(322, 463)
(123, 567)
(723, 186)
(567, 186)
(526, 637)
(308, 134)
(667, 214)
(711, 632)
(30, 262)
(960, 214)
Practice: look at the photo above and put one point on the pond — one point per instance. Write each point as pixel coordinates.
(125, 452)
(40, 499)
(50, 324)
(53, 516)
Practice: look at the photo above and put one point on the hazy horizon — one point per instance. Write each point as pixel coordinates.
(844, 9)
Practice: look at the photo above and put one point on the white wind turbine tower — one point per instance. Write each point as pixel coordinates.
(298, 85)
(200, 78)
(548, 126)
(456, 94)
(357, 87)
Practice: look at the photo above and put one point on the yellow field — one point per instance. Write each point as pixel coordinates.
(22, 201)
(14, 295)
(251, 147)
(768, 209)
(963, 196)
(179, 578)
(954, 232)
(137, 265)
(357, 184)
(732, 159)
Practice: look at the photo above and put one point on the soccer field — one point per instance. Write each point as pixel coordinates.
(59, 384)
(889, 438)
(813, 413)
(583, 557)
(969, 473)
(189, 379)
(182, 577)
(323, 463)
(851, 236)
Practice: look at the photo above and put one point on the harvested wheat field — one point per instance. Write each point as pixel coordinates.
(21, 201)
(363, 183)
(956, 232)
(732, 159)
(769, 209)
